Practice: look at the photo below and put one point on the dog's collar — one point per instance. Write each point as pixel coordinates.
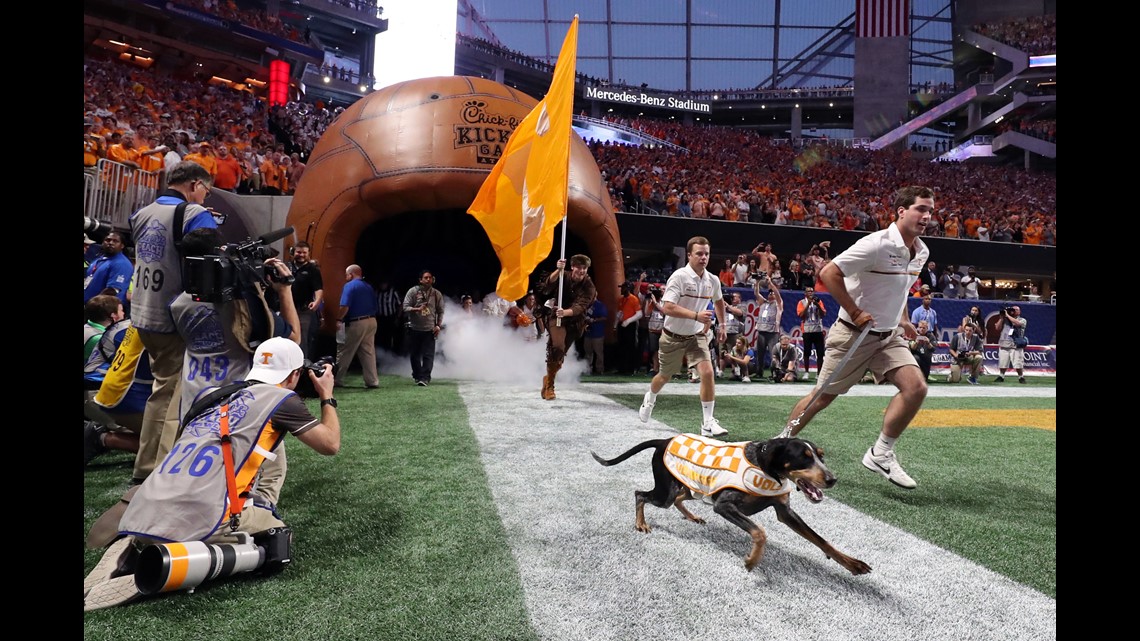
(760, 464)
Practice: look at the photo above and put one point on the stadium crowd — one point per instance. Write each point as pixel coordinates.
(1036, 35)
(736, 175)
(726, 174)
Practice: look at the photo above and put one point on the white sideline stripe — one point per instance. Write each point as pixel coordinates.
(588, 575)
(799, 390)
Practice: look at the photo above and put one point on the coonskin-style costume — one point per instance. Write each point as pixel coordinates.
(578, 293)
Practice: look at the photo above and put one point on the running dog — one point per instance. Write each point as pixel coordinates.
(740, 479)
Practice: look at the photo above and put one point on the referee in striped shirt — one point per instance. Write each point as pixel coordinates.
(389, 304)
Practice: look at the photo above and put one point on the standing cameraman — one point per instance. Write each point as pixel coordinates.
(1011, 343)
(220, 337)
(811, 311)
(157, 281)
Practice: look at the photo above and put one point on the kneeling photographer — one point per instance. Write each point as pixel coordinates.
(966, 354)
(200, 515)
(1011, 343)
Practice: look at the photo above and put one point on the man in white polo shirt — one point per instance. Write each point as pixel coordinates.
(687, 317)
(871, 282)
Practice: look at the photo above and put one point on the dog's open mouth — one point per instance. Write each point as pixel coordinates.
(813, 493)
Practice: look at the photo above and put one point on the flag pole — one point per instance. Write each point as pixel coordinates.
(562, 254)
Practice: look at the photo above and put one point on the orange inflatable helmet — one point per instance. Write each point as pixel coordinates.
(424, 146)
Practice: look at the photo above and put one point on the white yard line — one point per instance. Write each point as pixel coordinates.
(799, 390)
(588, 575)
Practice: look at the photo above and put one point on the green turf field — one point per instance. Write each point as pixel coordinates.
(398, 536)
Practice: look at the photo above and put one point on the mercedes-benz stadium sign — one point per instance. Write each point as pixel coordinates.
(647, 100)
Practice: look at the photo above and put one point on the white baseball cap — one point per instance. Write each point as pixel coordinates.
(274, 360)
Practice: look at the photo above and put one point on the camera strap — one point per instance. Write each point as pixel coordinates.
(210, 400)
(179, 223)
(237, 501)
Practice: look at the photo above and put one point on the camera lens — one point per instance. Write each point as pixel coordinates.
(95, 227)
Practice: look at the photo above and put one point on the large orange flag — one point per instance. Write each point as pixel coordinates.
(524, 196)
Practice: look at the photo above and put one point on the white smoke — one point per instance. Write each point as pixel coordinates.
(479, 347)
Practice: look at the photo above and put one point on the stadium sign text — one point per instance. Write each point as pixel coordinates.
(647, 100)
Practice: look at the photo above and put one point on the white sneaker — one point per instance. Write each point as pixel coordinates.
(745, 379)
(888, 466)
(646, 409)
(712, 427)
(803, 377)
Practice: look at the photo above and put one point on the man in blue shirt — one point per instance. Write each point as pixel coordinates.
(358, 315)
(925, 313)
(595, 336)
(111, 270)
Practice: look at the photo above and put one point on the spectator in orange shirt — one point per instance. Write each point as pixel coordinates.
(229, 170)
(124, 152)
(1033, 232)
(950, 229)
(796, 212)
(285, 168)
(726, 274)
(971, 225)
(271, 179)
(94, 147)
(151, 154)
(203, 154)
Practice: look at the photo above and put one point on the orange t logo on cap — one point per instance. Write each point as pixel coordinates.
(265, 356)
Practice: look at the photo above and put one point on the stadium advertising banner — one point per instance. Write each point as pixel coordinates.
(1040, 355)
(646, 99)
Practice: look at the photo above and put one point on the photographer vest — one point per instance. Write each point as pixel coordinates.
(158, 263)
(185, 498)
(732, 324)
(217, 349)
(813, 317)
(768, 318)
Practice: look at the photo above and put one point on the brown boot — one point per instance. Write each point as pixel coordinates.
(547, 388)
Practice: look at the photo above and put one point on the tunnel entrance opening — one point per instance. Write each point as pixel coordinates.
(451, 243)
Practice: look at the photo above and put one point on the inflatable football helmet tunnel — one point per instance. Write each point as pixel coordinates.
(388, 185)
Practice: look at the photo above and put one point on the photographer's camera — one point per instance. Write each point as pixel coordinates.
(318, 367)
(220, 278)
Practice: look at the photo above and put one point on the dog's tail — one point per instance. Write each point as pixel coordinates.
(636, 448)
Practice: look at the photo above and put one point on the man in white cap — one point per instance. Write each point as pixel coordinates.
(192, 496)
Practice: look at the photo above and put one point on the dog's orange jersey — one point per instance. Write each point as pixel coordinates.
(707, 466)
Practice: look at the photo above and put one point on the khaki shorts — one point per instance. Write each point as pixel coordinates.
(671, 352)
(1011, 357)
(880, 355)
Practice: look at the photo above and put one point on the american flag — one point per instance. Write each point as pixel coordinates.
(882, 18)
